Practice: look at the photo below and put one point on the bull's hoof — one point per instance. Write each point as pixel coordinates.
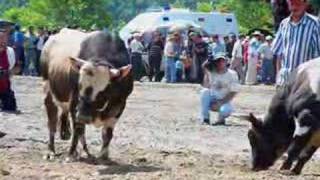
(286, 166)
(49, 156)
(65, 135)
(72, 157)
(295, 171)
(103, 155)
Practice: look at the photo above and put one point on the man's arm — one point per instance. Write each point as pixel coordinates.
(226, 99)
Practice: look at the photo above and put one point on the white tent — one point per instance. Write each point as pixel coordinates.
(212, 23)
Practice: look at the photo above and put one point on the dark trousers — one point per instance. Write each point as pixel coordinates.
(187, 73)
(8, 101)
(37, 63)
(20, 56)
(155, 63)
(137, 66)
(200, 74)
(179, 74)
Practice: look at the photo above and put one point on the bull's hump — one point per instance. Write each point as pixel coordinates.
(312, 69)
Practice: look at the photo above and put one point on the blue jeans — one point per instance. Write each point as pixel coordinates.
(207, 100)
(170, 70)
(267, 71)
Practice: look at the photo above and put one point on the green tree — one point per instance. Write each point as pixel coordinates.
(82, 13)
(250, 13)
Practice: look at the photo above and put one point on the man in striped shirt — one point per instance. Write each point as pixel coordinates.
(297, 40)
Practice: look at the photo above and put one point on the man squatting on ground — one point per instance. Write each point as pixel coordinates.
(220, 87)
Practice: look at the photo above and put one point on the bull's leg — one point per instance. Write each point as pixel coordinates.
(296, 147)
(303, 158)
(84, 144)
(65, 126)
(107, 134)
(52, 113)
(302, 135)
(77, 133)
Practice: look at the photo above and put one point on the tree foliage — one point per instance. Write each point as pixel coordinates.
(61, 13)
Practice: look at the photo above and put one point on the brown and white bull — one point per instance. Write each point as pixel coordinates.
(291, 124)
(87, 77)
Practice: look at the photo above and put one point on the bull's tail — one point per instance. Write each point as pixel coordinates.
(44, 65)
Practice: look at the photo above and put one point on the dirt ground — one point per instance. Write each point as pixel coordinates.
(158, 137)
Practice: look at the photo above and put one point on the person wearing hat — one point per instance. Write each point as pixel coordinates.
(266, 60)
(253, 57)
(220, 87)
(172, 52)
(291, 52)
(7, 63)
(199, 55)
(216, 46)
(236, 60)
(137, 49)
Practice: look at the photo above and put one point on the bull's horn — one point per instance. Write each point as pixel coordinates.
(76, 62)
(121, 72)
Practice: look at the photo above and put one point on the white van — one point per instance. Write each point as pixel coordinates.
(218, 23)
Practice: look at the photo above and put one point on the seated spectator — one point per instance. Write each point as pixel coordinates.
(220, 87)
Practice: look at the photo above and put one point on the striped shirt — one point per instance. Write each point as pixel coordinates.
(296, 43)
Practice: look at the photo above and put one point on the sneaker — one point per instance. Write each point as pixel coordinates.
(206, 122)
(219, 123)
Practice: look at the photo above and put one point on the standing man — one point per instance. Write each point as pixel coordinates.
(42, 38)
(18, 45)
(220, 87)
(200, 54)
(216, 46)
(266, 59)
(7, 62)
(297, 40)
(31, 53)
(155, 56)
(137, 49)
(236, 60)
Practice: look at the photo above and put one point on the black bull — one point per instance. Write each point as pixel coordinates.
(87, 70)
(292, 123)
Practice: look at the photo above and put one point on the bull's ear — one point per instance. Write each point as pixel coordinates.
(121, 72)
(256, 123)
(76, 62)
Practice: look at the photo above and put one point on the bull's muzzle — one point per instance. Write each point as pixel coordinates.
(84, 111)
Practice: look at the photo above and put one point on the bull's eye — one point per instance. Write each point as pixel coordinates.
(89, 72)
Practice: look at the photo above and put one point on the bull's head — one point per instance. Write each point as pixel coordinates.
(266, 145)
(93, 78)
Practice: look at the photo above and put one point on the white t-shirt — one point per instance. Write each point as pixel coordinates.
(40, 43)
(265, 51)
(136, 46)
(223, 84)
(237, 50)
(11, 57)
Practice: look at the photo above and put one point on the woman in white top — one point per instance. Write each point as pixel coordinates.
(251, 78)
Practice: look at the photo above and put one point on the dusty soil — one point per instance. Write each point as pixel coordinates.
(158, 137)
